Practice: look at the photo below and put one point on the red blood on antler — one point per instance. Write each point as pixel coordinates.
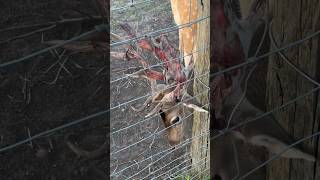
(145, 44)
(142, 43)
(164, 51)
(161, 55)
(179, 75)
(154, 75)
(173, 65)
(167, 45)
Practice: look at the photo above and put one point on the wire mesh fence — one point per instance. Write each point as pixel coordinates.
(253, 121)
(39, 99)
(139, 149)
(252, 60)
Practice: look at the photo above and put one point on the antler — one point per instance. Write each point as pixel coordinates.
(168, 95)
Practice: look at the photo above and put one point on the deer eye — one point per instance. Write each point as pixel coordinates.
(162, 115)
(175, 120)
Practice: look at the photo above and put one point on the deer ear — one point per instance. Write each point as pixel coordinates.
(195, 107)
(191, 102)
(276, 146)
(157, 97)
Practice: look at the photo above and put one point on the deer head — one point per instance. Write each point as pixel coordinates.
(171, 109)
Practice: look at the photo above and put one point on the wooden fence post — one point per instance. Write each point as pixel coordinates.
(200, 146)
(293, 20)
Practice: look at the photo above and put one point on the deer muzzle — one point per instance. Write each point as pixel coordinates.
(172, 120)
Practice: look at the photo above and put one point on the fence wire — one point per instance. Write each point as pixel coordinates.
(178, 166)
(158, 32)
(278, 50)
(255, 59)
(142, 169)
(190, 141)
(187, 167)
(157, 133)
(99, 28)
(159, 64)
(131, 5)
(166, 152)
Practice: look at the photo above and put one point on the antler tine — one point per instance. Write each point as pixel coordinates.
(155, 110)
(168, 97)
(157, 93)
(148, 101)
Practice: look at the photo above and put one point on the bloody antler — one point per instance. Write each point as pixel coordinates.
(164, 51)
(168, 97)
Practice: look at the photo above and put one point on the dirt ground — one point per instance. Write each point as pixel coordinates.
(41, 94)
(139, 160)
(149, 157)
(46, 92)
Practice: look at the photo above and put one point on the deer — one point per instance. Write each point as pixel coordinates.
(238, 150)
(171, 103)
(170, 89)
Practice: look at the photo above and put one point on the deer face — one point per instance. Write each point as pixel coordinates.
(171, 111)
(173, 114)
(172, 120)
